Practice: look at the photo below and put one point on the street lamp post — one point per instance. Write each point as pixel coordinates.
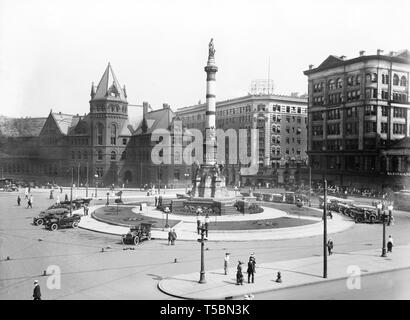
(71, 190)
(310, 183)
(108, 195)
(325, 229)
(202, 241)
(384, 235)
(166, 221)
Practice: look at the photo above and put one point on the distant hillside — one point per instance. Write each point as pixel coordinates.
(20, 127)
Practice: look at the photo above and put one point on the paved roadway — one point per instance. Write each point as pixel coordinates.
(389, 285)
(88, 273)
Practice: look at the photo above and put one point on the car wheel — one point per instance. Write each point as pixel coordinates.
(54, 227)
(359, 219)
(136, 240)
(75, 224)
(372, 219)
(39, 222)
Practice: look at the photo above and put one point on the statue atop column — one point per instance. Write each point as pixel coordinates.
(211, 49)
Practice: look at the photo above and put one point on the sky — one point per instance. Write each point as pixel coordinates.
(52, 50)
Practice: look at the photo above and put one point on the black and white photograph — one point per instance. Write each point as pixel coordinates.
(226, 151)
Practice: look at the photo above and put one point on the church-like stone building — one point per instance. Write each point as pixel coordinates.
(104, 146)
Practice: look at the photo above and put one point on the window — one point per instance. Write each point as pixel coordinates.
(350, 81)
(374, 77)
(351, 128)
(385, 79)
(351, 112)
(333, 114)
(339, 83)
(79, 155)
(100, 132)
(351, 144)
(403, 81)
(100, 155)
(85, 155)
(374, 93)
(384, 127)
(369, 126)
(333, 129)
(124, 141)
(368, 77)
(385, 111)
(334, 144)
(288, 109)
(317, 115)
(370, 110)
(332, 84)
(317, 145)
(299, 110)
(72, 155)
(358, 79)
(385, 95)
(399, 112)
(113, 134)
(395, 80)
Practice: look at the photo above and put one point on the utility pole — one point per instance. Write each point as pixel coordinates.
(202, 241)
(310, 183)
(78, 177)
(325, 229)
(71, 190)
(384, 235)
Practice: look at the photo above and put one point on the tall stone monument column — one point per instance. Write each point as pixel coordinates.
(207, 178)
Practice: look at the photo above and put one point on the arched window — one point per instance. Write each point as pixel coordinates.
(395, 80)
(350, 81)
(100, 132)
(339, 83)
(403, 81)
(331, 84)
(99, 155)
(374, 77)
(358, 79)
(113, 155)
(368, 77)
(113, 134)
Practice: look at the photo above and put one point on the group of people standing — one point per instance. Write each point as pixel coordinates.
(251, 270)
(28, 197)
(172, 236)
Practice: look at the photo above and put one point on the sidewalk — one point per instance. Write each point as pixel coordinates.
(295, 273)
(187, 230)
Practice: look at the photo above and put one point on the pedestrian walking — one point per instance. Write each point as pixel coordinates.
(390, 244)
(330, 246)
(29, 204)
(251, 270)
(169, 236)
(61, 189)
(18, 200)
(26, 193)
(36, 291)
(66, 197)
(207, 220)
(198, 222)
(239, 274)
(174, 237)
(31, 201)
(86, 210)
(226, 263)
(156, 201)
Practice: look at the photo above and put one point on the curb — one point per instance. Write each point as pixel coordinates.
(277, 289)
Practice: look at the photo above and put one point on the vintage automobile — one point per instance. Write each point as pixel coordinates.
(49, 213)
(64, 221)
(137, 234)
(364, 214)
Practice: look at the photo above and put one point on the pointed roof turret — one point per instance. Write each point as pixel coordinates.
(109, 87)
(92, 94)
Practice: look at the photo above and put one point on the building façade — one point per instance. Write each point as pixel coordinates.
(358, 120)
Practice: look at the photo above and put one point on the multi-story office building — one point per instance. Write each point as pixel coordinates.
(359, 118)
(281, 123)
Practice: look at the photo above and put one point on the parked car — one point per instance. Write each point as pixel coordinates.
(137, 234)
(49, 213)
(64, 221)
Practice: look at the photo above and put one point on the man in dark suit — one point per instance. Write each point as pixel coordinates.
(251, 270)
(36, 291)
